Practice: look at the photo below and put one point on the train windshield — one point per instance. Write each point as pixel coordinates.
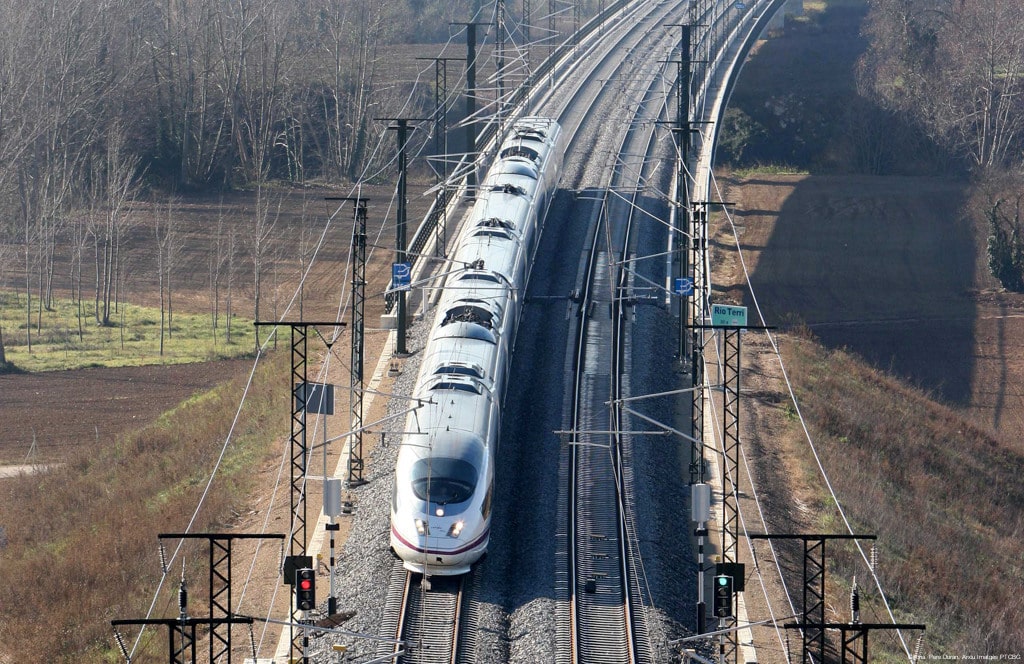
(443, 480)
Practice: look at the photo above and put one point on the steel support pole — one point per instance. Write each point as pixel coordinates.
(731, 342)
(221, 613)
(695, 318)
(500, 65)
(471, 179)
(299, 447)
(813, 625)
(357, 355)
(814, 598)
(220, 598)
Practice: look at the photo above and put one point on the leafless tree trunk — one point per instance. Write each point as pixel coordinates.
(161, 232)
(77, 263)
(260, 235)
(175, 244)
(4, 254)
(232, 241)
(184, 55)
(218, 265)
(981, 95)
(117, 188)
(28, 275)
(255, 43)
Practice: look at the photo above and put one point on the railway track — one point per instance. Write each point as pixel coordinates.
(438, 624)
(606, 621)
(606, 611)
(434, 621)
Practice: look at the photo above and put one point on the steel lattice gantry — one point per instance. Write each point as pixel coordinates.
(355, 456)
(299, 447)
(299, 441)
(730, 466)
(355, 464)
(730, 442)
(813, 624)
(221, 616)
(182, 628)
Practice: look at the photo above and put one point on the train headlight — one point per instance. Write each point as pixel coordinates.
(422, 528)
(456, 528)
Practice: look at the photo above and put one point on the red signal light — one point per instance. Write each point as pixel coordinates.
(305, 589)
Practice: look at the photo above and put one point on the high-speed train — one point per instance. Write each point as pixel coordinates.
(441, 508)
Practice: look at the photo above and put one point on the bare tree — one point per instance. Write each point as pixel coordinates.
(231, 250)
(5, 254)
(954, 68)
(256, 43)
(175, 245)
(184, 47)
(260, 237)
(980, 94)
(116, 189)
(81, 237)
(162, 233)
(217, 265)
(355, 31)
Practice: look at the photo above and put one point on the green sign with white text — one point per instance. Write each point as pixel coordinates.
(726, 315)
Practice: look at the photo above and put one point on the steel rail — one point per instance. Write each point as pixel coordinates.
(596, 640)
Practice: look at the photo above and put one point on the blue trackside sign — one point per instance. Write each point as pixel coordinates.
(401, 276)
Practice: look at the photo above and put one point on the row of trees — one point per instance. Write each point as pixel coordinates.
(101, 98)
(202, 91)
(955, 69)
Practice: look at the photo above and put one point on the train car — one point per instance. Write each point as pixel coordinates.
(444, 477)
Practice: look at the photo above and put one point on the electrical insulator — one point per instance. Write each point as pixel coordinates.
(183, 600)
(855, 602)
(121, 646)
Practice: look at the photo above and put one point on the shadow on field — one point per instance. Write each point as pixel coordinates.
(869, 253)
(882, 266)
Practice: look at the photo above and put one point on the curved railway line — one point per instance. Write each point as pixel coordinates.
(606, 615)
(607, 610)
(427, 618)
(608, 104)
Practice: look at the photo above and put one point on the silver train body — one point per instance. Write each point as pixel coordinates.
(441, 509)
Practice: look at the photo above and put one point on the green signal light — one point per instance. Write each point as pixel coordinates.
(722, 581)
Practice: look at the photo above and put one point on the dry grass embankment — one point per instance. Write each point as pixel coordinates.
(79, 544)
(944, 497)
